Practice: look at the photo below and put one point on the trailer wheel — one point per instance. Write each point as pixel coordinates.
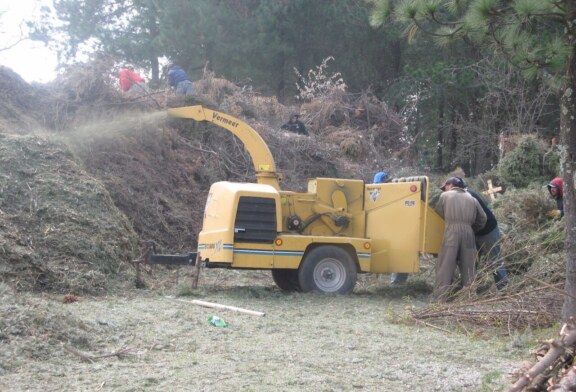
(286, 279)
(328, 269)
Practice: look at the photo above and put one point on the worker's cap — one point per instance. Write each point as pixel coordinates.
(381, 177)
(552, 185)
(295, 115)
(456, 181)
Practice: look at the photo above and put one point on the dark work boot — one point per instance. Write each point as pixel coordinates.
(501, 278)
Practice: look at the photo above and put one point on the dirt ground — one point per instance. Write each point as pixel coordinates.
(157, 340)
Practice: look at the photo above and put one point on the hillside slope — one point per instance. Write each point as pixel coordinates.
(86, 173)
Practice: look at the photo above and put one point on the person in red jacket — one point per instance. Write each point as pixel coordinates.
(555, 189)
(131, 82)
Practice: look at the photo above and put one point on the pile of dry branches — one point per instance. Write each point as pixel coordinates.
(553, 368)
(507, 311)
(532, 299)
(365, 129)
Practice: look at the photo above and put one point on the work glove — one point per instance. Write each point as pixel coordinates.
(554, 214)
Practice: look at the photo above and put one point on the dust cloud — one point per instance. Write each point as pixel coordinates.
(119, 125)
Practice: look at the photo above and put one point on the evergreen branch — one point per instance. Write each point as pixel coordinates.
(432, 18)
(420, 26)
(507, 56)
(558, 4)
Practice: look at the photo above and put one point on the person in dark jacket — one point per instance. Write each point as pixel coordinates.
(555, 190)
(488, 241)
(462, 216)
(178, 80)
(295, 125)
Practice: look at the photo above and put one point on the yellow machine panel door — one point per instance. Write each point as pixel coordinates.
(393, 222)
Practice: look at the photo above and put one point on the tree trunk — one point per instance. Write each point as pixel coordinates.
(454, 140)
(568, 136)
(440, 135)
(154, 32)
(155, 70)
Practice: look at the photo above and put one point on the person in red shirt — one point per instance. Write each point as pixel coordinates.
(131, 82)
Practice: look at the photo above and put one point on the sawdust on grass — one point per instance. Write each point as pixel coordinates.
(152, 340)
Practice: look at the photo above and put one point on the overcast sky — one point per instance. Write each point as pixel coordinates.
(31, 60)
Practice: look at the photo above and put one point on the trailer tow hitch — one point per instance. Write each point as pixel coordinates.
(151, 257)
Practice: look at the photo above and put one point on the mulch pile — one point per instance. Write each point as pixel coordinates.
(60, 230)
(21, 105)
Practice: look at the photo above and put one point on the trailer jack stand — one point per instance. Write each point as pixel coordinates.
(196, 272)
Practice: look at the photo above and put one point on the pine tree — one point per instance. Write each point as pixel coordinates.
(124, 29)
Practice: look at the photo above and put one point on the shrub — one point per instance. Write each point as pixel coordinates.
(318, 83)
(551, 163)
(521, 165)
(525, 208)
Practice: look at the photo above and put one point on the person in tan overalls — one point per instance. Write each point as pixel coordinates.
(462, 216)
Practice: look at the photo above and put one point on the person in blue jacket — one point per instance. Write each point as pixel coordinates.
(178, 80)
(381, 178)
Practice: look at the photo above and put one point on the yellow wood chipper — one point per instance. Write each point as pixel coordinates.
(318, 240)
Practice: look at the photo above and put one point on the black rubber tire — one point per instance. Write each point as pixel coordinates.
(328, 269)
(286, 279)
